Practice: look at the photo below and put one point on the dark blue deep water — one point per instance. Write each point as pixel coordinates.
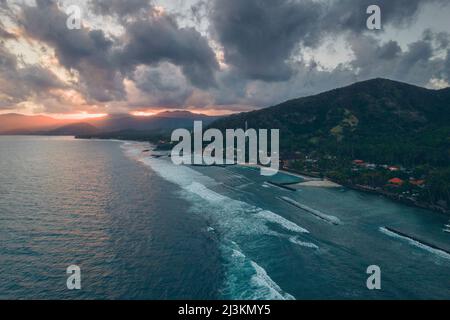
(141, 228)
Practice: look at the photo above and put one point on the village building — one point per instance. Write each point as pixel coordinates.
(396, 182)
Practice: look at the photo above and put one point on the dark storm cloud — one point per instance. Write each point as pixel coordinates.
(389, 51)
(163, 85)
(156, 38)
(21, 83)
(415, 65)
(3, 5)
(87, 52)
(103, 62)
(443, 40)
(418, 51)
(259, 36)
(263, 42)
(306, 80)
(120, 7)
(351, 14)
(160, 39)
(39, 78)
(199, 10)
(446, 71)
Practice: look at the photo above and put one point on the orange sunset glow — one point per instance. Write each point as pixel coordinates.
(79, 116)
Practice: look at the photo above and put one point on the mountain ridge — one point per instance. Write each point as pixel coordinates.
(17, 124)
(364, 136)
(372, 112)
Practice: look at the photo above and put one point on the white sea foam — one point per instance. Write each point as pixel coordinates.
(415, 243)
(134, 149)
(262, 279)
(196, 184)
(234, 219)
(205, 193)
(317, 213)
(286, 224)
(237, 254)
(298, 242)
(260, 285)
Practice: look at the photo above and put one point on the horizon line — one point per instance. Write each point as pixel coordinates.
(208, 112)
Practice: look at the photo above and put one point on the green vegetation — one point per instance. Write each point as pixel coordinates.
(381, 122)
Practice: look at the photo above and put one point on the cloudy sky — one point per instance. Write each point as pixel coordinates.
(211, 56)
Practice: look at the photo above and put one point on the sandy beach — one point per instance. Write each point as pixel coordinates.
(319, 184)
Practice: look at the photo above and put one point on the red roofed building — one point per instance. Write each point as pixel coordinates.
(396, 182)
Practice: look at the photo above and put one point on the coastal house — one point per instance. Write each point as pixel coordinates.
(396, 182)
(358, 162)
(370, 166)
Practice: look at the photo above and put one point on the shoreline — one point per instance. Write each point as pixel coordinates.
(319, 184)
(330, 183)
(398, 199)
(299, 175)
(316, 182)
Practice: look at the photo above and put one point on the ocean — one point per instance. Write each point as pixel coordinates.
(141, 228)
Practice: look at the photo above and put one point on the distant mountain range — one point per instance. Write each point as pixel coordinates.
(16, 124)
(13, 123)
(378, 120)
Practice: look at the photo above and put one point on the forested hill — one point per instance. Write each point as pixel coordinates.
(379, 120)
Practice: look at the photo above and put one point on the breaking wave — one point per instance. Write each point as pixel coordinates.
(247, 280)
(232, 219)
(415, 243)
(318, 214)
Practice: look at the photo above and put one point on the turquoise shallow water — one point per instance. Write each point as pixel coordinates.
(141, 228)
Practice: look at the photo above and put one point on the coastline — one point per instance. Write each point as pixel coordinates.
(317, 182)
(397, 198)
(330, 183)
(213, 224)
